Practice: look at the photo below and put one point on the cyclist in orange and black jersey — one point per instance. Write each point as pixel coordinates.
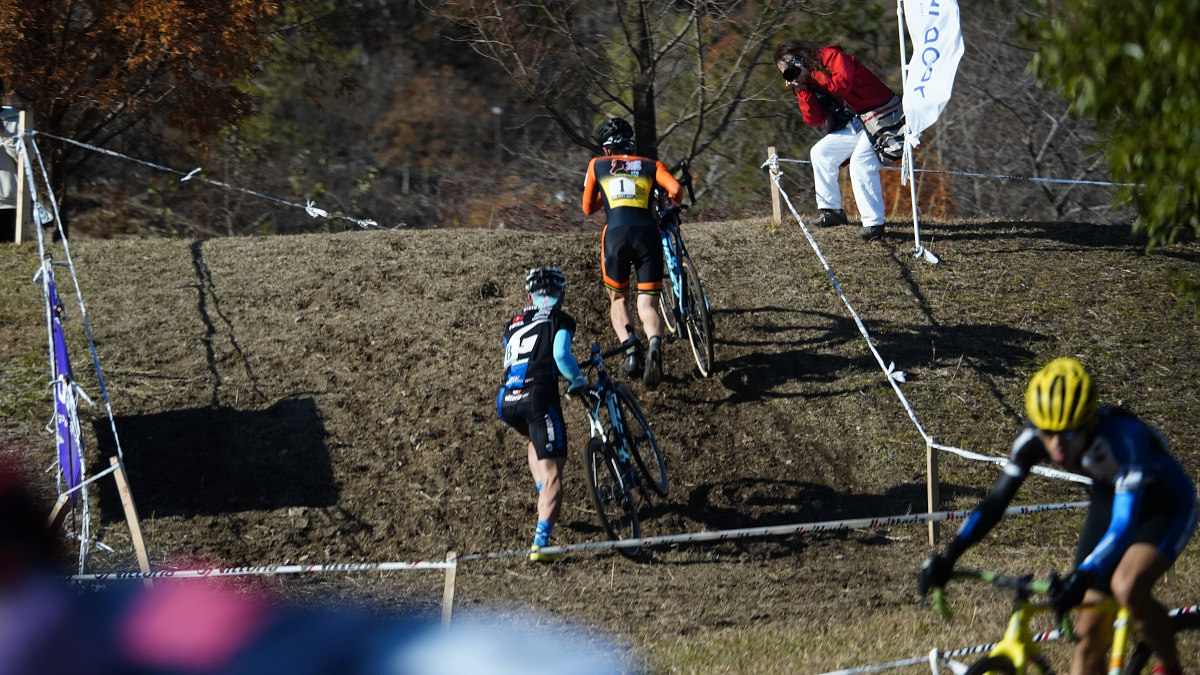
(624, 183)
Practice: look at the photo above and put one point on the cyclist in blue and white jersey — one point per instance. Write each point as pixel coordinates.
(537, 347)
(1143, 511)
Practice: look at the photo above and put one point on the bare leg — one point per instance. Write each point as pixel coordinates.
(1094, 628)
(1135, 576)
(547, 472)
(652, 323)
(619, 314)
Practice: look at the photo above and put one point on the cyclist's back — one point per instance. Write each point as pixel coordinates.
(624, 183)
(624, 186)
(529, 348)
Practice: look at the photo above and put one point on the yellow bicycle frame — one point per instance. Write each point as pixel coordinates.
(1020, 648)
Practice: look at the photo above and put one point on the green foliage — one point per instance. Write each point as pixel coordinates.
(1132, 67)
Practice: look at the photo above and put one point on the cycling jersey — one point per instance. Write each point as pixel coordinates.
(1145, 494)
(529, 348)
(537, 347)
(624, 184)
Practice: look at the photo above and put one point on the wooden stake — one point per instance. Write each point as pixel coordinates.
(135, 529)
(931, 490)
(448, 592)
(774, 171)
(22, 188)
(59, 513)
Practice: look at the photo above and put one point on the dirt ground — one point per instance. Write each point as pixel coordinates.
(330, 399)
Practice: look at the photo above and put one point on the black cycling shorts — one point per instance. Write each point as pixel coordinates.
(537, 414)
(632, 245)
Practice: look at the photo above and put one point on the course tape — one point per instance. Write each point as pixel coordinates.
(773, 530)
(969, 174)
(265, 570)
(894, 376)
(717, 535)
(310, 207)
(937, 654)
(1041, 470)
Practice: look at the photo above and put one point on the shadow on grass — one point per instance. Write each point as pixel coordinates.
(814, 358)
(210, 461)
(1021, 235)
(765, 503)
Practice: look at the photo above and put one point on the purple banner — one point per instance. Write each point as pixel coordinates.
(65, 413)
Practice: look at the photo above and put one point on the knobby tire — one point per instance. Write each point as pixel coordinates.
(699, 321)
(641, 443)
(611, 495)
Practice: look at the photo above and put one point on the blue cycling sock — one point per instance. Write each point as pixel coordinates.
(539, 486)
(542, 534)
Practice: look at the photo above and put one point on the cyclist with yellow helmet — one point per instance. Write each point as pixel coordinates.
(1143, 511)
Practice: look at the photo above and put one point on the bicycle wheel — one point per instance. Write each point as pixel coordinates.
(995, 665)
(1139, 657)
(611, 496)
(668, 301)
(699, 321)
(640, 441)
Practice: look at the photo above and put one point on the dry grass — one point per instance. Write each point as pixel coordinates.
(391, 338)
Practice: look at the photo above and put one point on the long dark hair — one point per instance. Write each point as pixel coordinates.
(805, 51)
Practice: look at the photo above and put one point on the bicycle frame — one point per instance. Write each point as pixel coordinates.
(669, 225)
(684, 303)
(608, 398)
(1018, 644)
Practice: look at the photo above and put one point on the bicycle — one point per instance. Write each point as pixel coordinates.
(620, 438)
(683, 301)
(1019, 649)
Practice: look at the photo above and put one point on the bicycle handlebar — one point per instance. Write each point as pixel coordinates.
(597, 357)
(1022, 587)
(685, 181)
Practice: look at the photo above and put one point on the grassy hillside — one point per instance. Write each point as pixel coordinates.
(330, 398)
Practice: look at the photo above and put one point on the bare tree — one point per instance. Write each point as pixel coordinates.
(1000, 122)
(679, 71)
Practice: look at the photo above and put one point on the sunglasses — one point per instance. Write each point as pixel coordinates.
(792, 72)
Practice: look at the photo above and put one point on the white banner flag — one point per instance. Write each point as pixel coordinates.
(937, 49)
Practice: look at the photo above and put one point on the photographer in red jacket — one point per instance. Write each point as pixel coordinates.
(834, 90)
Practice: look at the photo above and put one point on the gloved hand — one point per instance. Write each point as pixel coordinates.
(935, 572)
(1067, 592)
(578, 390)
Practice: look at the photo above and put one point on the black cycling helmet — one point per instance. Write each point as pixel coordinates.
(545, 281)
(615, 135)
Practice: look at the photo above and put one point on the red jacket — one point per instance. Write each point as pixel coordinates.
(848, 80)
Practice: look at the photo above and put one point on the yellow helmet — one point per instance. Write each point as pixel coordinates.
(1061, 396)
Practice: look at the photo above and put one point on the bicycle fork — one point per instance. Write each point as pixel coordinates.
(1018, 645)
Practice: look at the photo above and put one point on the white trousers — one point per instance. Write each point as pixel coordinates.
(827, 156)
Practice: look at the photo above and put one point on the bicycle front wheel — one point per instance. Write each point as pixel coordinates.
(992, 665)
(699, 320)
(640, 441)
(1186, 626)
(611, 495)
(668, 301)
